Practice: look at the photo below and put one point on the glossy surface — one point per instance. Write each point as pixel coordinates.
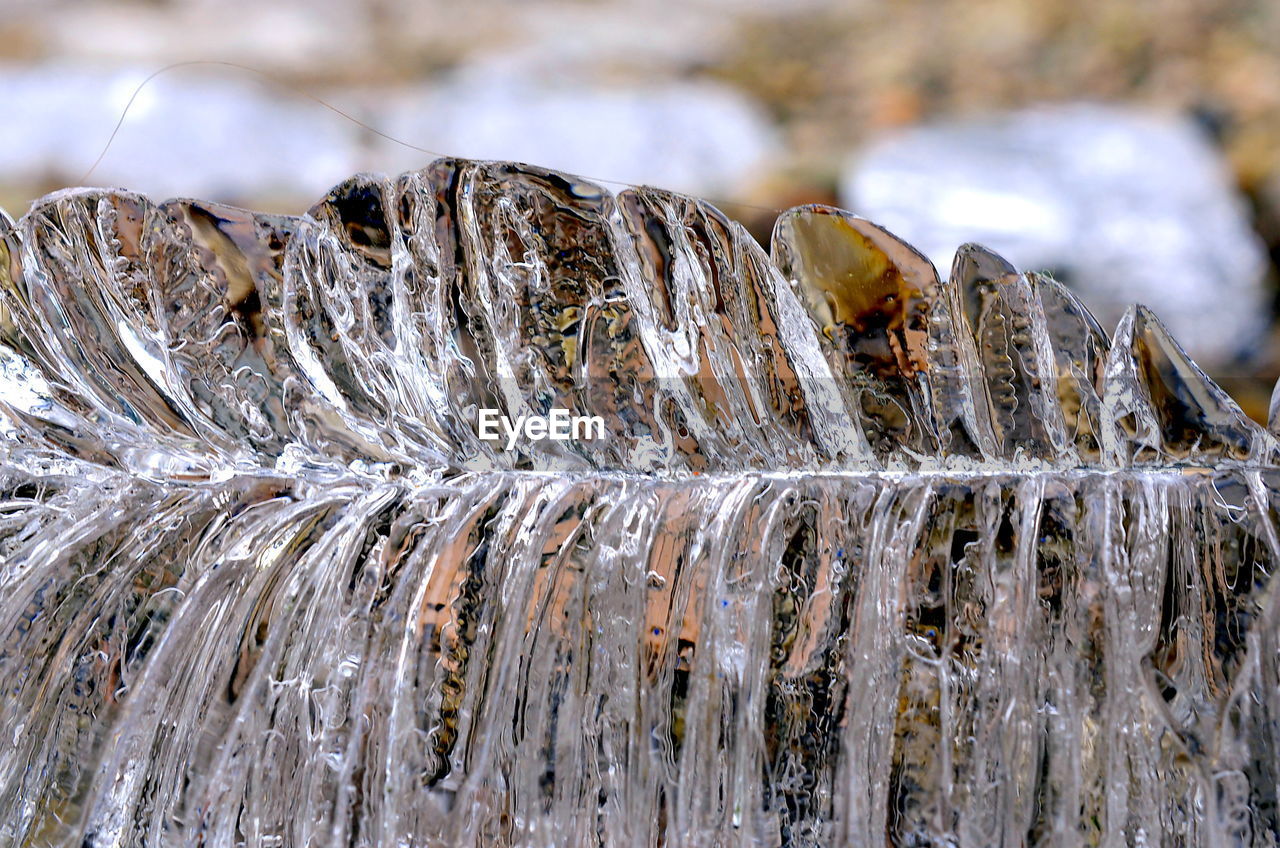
(866, 556)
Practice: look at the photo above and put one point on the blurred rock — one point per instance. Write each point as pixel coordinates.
(698, 138)
(1121, 206)
(224, 134)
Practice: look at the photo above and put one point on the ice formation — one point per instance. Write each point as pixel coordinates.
(864, 558)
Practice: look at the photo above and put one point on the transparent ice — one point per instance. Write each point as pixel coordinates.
(865, 558)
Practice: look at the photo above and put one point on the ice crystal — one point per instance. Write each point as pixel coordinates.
(864, 557)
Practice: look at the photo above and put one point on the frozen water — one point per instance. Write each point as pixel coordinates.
(864, 557)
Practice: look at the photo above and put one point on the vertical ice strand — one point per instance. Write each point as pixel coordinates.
(865, 556)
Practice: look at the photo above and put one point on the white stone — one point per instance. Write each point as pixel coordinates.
(1123, 206)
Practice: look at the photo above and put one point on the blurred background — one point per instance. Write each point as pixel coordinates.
(1131, 147)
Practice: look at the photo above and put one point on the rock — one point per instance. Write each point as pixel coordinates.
(1119, 205)
(224, 135)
